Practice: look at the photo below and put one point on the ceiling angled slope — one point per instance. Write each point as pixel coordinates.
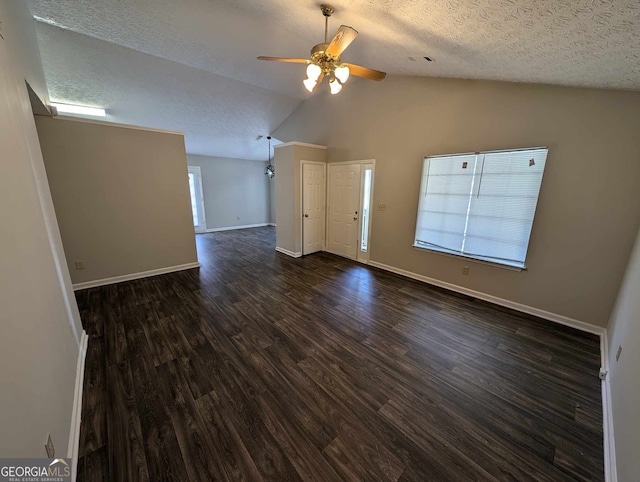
(220, 116)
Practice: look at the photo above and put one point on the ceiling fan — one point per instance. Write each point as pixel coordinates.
(325, 59)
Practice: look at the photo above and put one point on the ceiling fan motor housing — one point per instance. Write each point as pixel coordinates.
(325, 61)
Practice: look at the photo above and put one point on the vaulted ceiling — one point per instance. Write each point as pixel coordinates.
(191, 65)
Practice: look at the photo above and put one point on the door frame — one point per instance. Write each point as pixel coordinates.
(324, 207)
(361, 257)
(199, 199)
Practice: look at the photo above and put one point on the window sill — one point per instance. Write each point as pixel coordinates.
(469, 258)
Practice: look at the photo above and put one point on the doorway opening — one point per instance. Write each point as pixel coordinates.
(197, 199)
(350, 195)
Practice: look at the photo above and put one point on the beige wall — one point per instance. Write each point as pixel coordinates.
(121, 196)
(233, 188)
(284, 183)
(38, 315)
(589, 205)
(624, 330)
(287, 192)
(272, 198)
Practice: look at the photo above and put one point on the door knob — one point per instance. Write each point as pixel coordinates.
(306, 215)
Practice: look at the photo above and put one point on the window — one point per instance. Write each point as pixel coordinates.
(366, 208)
(197, 199)
(480, 205)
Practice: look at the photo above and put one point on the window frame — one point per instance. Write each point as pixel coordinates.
(460, 255)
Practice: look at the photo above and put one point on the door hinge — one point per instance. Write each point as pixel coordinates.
(603, 374)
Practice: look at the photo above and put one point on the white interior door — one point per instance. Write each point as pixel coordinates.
(313, 201)
(344, 204)
(197, 199)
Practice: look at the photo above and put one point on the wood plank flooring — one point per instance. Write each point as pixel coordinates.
(258, 367)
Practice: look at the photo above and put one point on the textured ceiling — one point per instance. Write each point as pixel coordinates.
(220, 116)
(592, 43)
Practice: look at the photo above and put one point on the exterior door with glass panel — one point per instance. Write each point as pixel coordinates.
(344, 206)
(197, 199)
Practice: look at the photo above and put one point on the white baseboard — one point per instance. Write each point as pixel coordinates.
(231, 228)
(288, 253)
(76, 414)
(132, 276)
(271, 224)
(547, 315)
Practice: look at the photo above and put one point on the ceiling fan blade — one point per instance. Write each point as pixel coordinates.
(341, 40)
(365, 72)
(285, 59)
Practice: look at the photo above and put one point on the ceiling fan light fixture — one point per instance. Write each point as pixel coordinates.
(270, 170)
(342, 73)
(335, 86)
(310, 84)
(313, 72)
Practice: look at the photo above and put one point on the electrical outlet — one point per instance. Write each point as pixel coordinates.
(51, 451)
(79, 264)
(465, 270)
(619, 353)
(382, 207)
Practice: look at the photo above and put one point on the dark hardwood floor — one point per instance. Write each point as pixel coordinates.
(258, 366)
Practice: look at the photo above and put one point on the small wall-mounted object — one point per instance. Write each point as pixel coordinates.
(79, 265)
(51, 451)
(382, 207)
(464, 165)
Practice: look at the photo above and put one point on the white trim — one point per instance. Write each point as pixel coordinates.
(231, 228)
(115, 124)
(610, 471)
(132, 276)
(288, 253)
(302, 144)
(547, 315)
(76, 414)
(271, 224)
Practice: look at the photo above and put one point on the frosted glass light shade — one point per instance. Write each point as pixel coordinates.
(335, 86)
(310, 84)
(313, 71)
(342, 73)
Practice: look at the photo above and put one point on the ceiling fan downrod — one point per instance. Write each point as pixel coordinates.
(327, 10)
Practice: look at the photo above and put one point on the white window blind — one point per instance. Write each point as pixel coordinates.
(480, 205)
